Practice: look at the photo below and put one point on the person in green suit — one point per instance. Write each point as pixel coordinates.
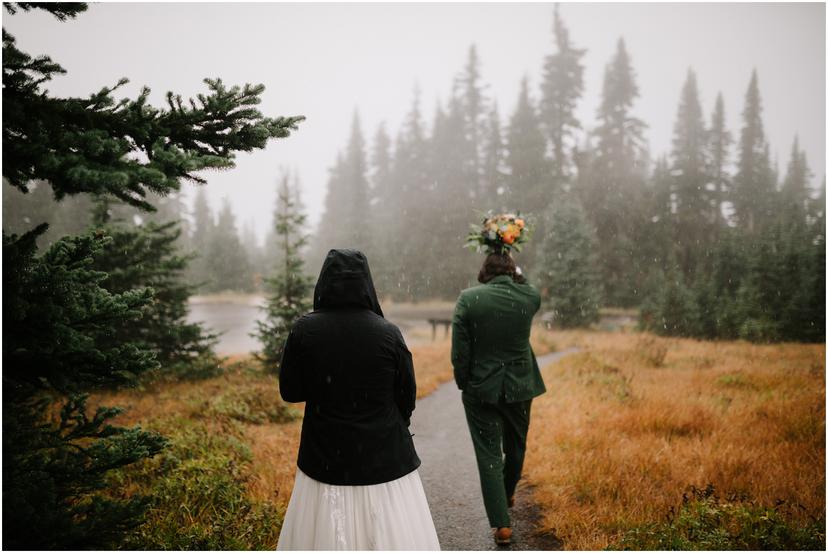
(496, 369)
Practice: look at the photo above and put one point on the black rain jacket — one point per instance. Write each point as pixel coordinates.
(355, 373)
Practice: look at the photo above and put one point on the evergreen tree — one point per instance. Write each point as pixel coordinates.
(795, 187)
(469, 90)
(202, 233)
(381, 212)
(332, 220)
(676, 309)
(146, 256)
(226, 259)
(57, 343)
(719, 141)
(413, 184)
(380, 175)
(567, 266)
(255, 254)
(494, 159)
(752, 184)
(356, 233)
(449, 203)
(613, 194)
(58, 338)
(290, 289)
(203, 222)
(562, 87)
(659, 235)
(530, 188)
(345, 222)
(693, 217)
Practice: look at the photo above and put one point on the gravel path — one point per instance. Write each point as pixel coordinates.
(449, 475)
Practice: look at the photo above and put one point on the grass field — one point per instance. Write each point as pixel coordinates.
(626, 427)
(634, 420)
(226, 478)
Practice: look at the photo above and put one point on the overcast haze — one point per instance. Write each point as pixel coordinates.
(325, 60)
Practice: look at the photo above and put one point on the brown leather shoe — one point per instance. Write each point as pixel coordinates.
(503, 536)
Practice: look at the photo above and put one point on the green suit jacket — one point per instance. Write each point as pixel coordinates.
(490, 348)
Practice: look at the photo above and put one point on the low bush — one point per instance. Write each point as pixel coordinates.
(198, 490)
(705, 521)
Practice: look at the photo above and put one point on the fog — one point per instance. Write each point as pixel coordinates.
(326, 60)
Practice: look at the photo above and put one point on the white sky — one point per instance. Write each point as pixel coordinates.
(325, 60)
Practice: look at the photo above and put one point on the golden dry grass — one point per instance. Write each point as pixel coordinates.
(633, 420)
(625, 427)
(273, 445)
(432, 365)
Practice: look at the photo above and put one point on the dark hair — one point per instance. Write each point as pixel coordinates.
(496, 264)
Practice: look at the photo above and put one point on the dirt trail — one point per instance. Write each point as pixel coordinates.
(449, 475)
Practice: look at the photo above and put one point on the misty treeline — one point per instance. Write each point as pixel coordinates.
(222, 255)
(97, 300)
(712, 240)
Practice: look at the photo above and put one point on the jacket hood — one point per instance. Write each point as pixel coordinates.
(345, 281)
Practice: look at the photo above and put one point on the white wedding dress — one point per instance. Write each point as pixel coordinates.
(392, 515)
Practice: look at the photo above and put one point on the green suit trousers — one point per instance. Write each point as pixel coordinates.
(498, 432)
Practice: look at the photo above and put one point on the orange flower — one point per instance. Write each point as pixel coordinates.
(508, 237)
(520, 223)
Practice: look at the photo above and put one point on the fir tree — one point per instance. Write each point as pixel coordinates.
(255, 255)
(449, 202)
(567, 269)
(290, 289)
(613, 194)
(57, 342)
(97, 133)
(752, 184)
(146, 256)
(693, 219)
(658, 237)
(413, 191)
(381, 214)
(494, 159)
(58, 338)
(562, 87)
(327, 233)
(226, 258)
(719, 141)
(344, 223)
(380, 177)
(530, 188)
(355, 233)
(796, 187)
(469, 90)
(202, 233)
(676, 309)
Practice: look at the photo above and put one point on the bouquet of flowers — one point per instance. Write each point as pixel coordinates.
(499, 233)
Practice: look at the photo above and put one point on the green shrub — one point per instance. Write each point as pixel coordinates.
(704, 521)
(199, 498)
(201, 367)
(252, 406)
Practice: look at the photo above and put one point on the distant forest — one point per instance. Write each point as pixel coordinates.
(712, 240)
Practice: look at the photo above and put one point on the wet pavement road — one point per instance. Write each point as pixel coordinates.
(452, 486)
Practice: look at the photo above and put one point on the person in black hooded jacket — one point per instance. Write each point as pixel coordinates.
(355, 374)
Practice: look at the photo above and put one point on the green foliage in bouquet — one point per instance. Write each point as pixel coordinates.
(499, 233)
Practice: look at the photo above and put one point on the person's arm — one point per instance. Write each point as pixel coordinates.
(460, 344)
(405, 388)
(291, 385)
